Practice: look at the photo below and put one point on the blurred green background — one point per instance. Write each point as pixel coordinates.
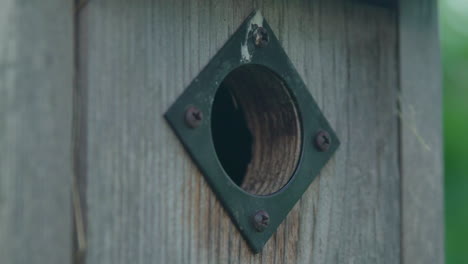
(454, 40)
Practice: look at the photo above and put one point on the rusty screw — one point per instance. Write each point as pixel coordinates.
(322, 140)
(261, 37)
(193, 117)
(261, 219)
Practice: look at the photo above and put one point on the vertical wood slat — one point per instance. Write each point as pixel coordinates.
(146, 201)
(36, 81)
(421, 133)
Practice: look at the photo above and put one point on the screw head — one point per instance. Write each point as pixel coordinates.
(193, 117)
(261, 220)
(322, 140)
(261, 37)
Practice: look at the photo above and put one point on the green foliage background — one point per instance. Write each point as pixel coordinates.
(454, 40)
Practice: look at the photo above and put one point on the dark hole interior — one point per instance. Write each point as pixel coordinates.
(232, 138)
(256, 129)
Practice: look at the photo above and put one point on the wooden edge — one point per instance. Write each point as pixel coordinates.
(36, 80)
(421, 133)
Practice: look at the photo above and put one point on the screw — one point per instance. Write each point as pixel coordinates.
(261, 219)
(261, 37)
(322, 140)
(193, 117)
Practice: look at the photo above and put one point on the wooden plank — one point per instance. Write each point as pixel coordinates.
(421, 133)
(146, 201)
(36, 80)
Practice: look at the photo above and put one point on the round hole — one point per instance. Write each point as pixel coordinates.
(256, 129)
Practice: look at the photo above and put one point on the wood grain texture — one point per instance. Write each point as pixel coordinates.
(36, 80)
(421, 133)
(273, 121)
(146, 201)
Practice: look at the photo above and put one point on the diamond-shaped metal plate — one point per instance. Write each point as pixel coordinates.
(240, 50)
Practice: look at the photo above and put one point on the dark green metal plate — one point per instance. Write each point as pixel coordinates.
(240, 50)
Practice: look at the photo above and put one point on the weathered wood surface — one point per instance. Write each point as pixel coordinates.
(36, 77)
(145, 200)
(421, 133)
